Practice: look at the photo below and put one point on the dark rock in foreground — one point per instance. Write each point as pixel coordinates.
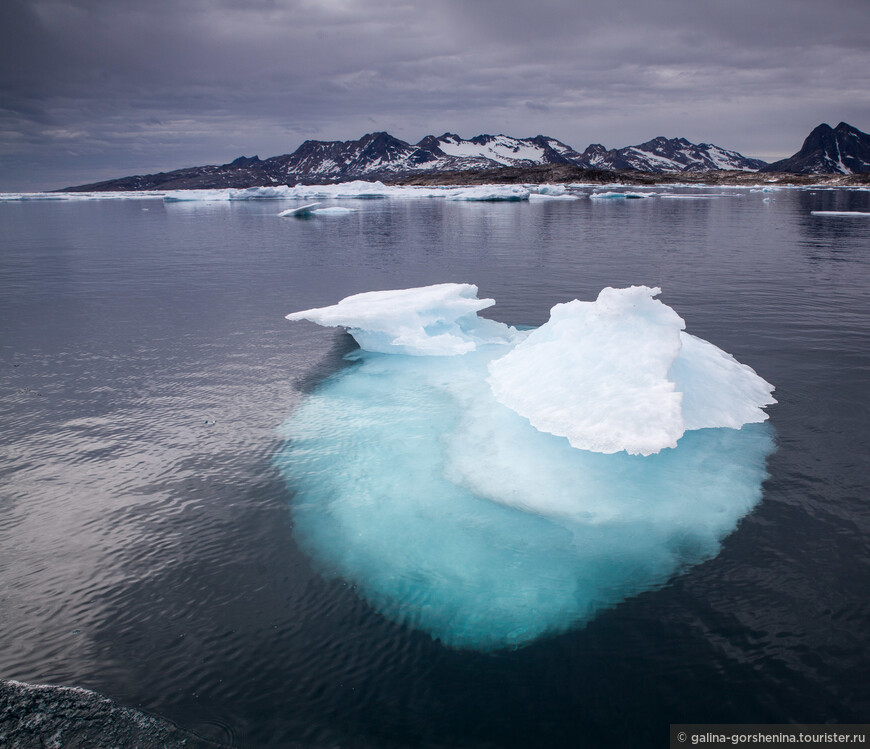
(33, 717)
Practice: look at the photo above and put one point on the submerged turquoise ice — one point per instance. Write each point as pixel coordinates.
(450, 512)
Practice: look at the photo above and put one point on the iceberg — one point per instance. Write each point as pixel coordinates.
(490, 193)
(490, 486)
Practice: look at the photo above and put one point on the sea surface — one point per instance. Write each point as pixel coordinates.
(147, 546)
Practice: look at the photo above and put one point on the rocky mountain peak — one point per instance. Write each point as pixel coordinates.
(827, 150)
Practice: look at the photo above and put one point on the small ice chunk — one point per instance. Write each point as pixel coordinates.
(299, 211)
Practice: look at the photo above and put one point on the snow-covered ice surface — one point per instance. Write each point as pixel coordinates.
(440, 487)
(620, 374)
(439, 320)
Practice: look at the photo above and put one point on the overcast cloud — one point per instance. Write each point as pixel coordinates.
(94, 89)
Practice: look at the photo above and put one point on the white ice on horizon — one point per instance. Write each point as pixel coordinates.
(842, 214)
(490, 193)
(298, 211)
(544, 197)
(355, 190)
(620, 195)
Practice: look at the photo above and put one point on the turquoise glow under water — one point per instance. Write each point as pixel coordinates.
(450, 513)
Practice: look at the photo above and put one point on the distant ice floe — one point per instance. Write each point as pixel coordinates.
(357, 190)
(314, 209)
(334, 210)
(79, 196)
(546, 191)
(299, 211)
(544, 197)
(698, 196)
(363, 190)
(489, 485)
(620, 195)
(841, 214)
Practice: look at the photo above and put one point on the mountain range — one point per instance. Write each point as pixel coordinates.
(840, 150)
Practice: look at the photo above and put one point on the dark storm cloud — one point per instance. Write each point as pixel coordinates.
(94, 88)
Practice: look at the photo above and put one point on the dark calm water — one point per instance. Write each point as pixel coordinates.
(146, 539)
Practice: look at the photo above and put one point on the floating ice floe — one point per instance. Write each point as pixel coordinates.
(694, 196)
(431, 473)
(195, 196)
(544, 197)
(620, 195)
(333, 210)
(79, 196)
(841, 214)
(299, 211)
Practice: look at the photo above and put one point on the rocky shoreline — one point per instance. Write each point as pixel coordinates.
(537, 174)
(566, 173)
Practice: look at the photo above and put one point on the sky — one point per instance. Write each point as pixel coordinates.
(97, 89)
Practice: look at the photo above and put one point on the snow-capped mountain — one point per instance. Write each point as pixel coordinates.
(668, 155)
(485, 151)
(840, 150)
(381, 156)
(375, 152)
